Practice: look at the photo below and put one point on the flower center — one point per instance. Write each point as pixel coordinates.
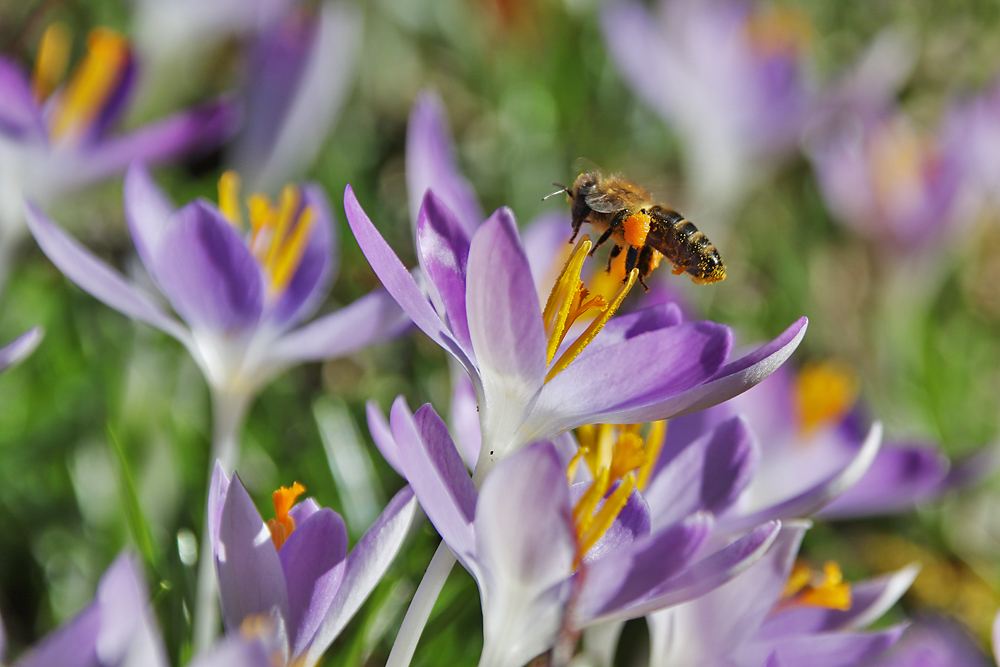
(92, 85)
(616, 455)
(823, 394)
(806, 587)
(901, 160)
(282, 525)
(778, 32)
(568, 301)
(279, 231)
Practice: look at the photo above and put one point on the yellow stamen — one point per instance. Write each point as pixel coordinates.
(92, 83)
(565, 294)
(824, 393)
(595, 328)
(229, 198)
(599, 523)
(291, 253)
(288, 205)
(282, 525)
(654, 444)
(807, 588)
(51, 61)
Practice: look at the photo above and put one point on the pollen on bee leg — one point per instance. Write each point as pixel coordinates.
(635, 229)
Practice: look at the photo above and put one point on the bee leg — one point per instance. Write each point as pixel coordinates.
(601, 241)
(645, 264)
(616, 223)
(630, 259)
(617, 250)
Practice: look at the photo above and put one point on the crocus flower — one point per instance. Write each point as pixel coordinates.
(298, 72)
(19, 348)
(239, 294)
(530, 382)
(935, 642)
(117, 629)
(551, 558)
(777, 614)
(974, 123)
(818, 454)
(293, 576)
(728, 75)
(56, 138)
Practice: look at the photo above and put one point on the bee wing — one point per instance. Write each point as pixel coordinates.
(602, 202)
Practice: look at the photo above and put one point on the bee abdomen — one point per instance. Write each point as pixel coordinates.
(684, 245)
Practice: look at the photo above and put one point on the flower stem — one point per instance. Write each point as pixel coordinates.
(228, 410)
(421, 606)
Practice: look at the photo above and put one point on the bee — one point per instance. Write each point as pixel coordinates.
(626, 213)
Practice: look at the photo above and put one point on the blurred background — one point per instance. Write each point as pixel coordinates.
(843, 157)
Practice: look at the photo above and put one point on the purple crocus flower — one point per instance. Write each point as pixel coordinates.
(57, 138)
(239, 295)
(974, 124)
(294, 575)
(298, 72)
(19, 348)
(728, 75)
(935, 642)
(530, 384)
(545, 565)
(764, 618)
(117, 629)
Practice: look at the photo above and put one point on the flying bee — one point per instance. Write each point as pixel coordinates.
(626, 213)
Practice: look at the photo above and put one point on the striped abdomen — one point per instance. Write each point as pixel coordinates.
(677, 239)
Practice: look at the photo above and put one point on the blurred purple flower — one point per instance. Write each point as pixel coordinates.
(297, 78)
(551, 558)
(296, 578)
(20, 347)
(729, 76)
(240, 295)
(974, 124)
(118, 629)
(764, 618)
(934, 642)
(530, 384)
(56, 138)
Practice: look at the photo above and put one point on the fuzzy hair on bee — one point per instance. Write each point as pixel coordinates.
(624, 212)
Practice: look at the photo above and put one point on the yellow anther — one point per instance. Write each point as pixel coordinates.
(599, 523)
(256, 626)
(291, 253)
(288, 206)
(595, 328)
(51, 61)
(629, 454)
(282, 525)
(806, 587)
(229, 198)
(565, 293)
(654, 445)
(824, 393)
(92, 83)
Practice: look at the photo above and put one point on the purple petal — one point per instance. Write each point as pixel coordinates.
(382, 436)
(20, 347)
(505, 318)
(147, 211)
(899, 478)
(620, 385)
(935, 642)
(218, 487)
(631, 524)
(116, 101)
(525, 545)
(869, 601)
(72, 645)
(707, 475)
(629, 325)
(996, 637)
(234, 651)
(631, 575)
(831, 649)
(313, 560)
(431, 164)
(97, 278)
(208, 273)
(303, 509)
(705, 575)
(366, 564)
(465, 418)
(193, 131)
(443, 246)
(372, 319)
(436, 473)
(128, 634)
(311, 280)
(398, 281)
(742, 374)
(251, 580)
(19, 115)
(818, 496)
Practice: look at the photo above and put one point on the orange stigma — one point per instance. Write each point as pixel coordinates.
(806, 587)
(282, 525)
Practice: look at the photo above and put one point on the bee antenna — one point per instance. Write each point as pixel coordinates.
(562, 189)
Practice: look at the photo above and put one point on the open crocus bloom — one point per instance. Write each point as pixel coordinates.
(551, 557)
(729, 76)
(117, 629)
(55, 137)
(239, 292)
(777, 615)
(531, 380)
(292, 579)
